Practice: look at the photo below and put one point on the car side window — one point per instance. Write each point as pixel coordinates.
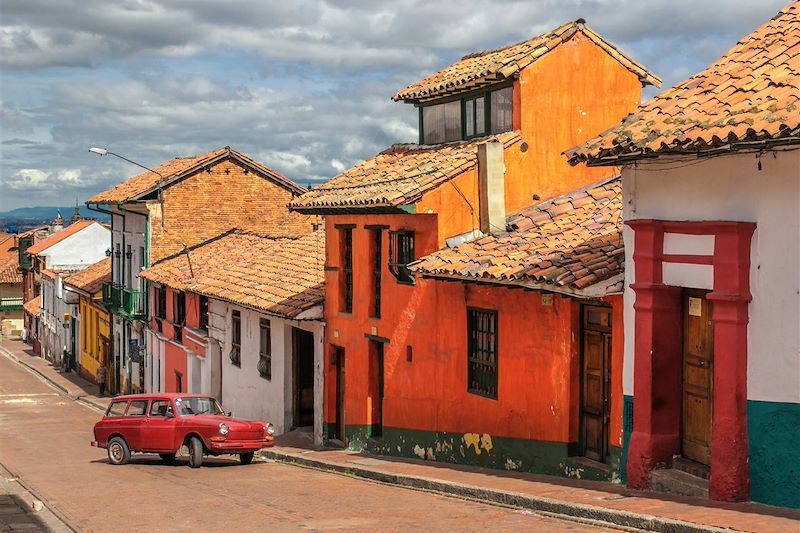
(116, 409)
(160, 408)
(137, 408)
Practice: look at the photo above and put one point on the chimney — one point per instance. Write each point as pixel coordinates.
(491, 187)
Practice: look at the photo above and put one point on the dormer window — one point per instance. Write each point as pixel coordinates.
(470, 116)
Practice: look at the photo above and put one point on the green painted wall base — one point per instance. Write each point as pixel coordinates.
(773, 434)
(483, 450)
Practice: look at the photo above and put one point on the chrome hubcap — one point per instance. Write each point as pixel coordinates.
(116, 452)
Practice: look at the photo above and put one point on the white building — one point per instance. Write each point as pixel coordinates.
(240, 318)
(78, 246)
(711, 189)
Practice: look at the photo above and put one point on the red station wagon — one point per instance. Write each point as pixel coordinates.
(163, 423)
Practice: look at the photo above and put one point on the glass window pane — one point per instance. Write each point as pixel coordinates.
(433, 124)
(469, 116)
(452, 121)
(480, 120)
(500, 112)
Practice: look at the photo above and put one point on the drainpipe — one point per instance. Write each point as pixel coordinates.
(491, 187)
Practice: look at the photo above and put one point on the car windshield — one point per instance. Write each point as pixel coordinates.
(197, 406)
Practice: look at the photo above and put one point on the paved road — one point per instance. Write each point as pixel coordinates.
(44, 439)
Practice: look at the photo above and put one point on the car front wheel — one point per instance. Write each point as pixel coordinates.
(195, 452)
(118, 451)
(246, 458)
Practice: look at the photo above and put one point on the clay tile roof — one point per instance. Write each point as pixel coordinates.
(282, 276)
(400, 175)
(571, 244)
(9, 271)
(32, 231)
(475, 70)
(49, 273)
(175, 168)
(57, 237)
(8, 246)
(33, 307)
(91, 278)
(750, 96)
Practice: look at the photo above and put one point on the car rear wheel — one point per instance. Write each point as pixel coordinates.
(118, 451)
(167, 457)
(195, 452)
(246, 458)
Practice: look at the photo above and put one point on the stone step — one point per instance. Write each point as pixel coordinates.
(678, 482)
(691, 467)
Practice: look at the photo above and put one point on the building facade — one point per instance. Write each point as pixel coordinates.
(403, 372)
(712, 363)
(179, 204)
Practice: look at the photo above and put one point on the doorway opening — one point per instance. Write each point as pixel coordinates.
(376, 387)
(338, 360)
(303, 382)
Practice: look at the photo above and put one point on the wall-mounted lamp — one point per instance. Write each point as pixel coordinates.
(108, 252)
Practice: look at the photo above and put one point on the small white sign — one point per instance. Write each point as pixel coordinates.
(695, 306)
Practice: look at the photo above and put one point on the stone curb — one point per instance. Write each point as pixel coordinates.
(77, 397)
(512, 499)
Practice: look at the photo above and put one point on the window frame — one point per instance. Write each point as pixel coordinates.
(377, 268)
(398, 268)
(144, 412)
(485, 93)
(346, 242)
(265, 348)
(473, 314)
(203, 304)
(236, 338)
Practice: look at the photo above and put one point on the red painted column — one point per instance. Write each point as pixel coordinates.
(657, 337)
(730, 480)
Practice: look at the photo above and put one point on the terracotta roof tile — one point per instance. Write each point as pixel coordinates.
(175, 168)
(280, 275)
(474, 70)
(91, 278)
(8, 246)
(565, 245)
(33, 307)
(59, 236)
(400, 175)
(750, 95)
(9, 271)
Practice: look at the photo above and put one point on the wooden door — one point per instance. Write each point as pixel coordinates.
(698, 375)
(595, 382)
(338, 355)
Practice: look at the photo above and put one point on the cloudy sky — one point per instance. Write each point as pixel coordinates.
(303, 86)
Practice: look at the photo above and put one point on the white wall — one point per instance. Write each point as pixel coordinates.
(80, 250)
(244, 391)
(731, 188)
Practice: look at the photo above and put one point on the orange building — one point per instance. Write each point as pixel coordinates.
(469, 370)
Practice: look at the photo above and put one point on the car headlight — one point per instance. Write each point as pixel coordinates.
(270, 429)
(223, 429)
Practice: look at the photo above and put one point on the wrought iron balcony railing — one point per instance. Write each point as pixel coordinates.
(132, 303)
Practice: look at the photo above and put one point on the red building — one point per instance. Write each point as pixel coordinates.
(466, 371)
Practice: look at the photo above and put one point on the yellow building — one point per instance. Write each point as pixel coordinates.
(93, 324)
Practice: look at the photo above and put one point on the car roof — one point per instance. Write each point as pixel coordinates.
(158, 396)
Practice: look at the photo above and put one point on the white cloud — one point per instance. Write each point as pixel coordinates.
(337, 165)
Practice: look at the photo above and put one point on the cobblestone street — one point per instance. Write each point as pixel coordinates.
(44, 439)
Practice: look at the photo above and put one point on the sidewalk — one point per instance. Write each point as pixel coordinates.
(69, 383)
(580, 499)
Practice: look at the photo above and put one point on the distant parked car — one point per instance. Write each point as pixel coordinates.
(163, 423)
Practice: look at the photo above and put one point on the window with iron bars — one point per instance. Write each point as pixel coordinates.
(376, 273)
(265, 350)
(179, 314)
(236, 338)
(401, 253)
(482, 352)
(347, 270)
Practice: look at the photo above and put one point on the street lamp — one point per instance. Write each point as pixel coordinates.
(105, 151)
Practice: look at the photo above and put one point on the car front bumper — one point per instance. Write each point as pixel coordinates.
(240, 446)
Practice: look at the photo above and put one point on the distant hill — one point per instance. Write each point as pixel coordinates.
(48, 214)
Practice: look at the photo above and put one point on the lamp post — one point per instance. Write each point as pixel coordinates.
(105, 151)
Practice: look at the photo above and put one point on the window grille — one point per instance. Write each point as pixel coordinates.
(347, 270)
(376, 274)
(236, 338)
(265, 350)
(401, 253)
(482, 352)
